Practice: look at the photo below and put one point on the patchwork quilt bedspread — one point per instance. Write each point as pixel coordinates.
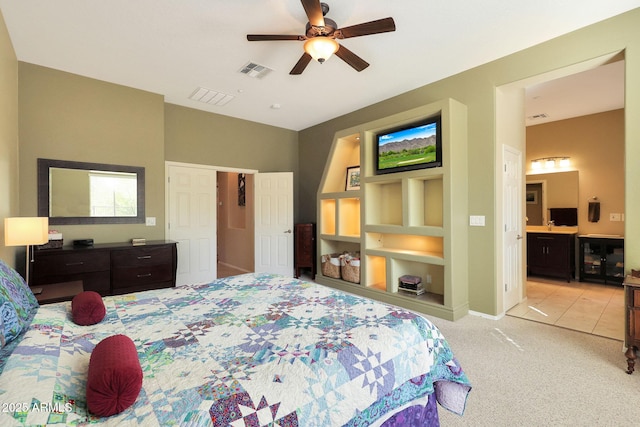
(249, 350)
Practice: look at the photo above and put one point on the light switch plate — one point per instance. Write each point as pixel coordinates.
(476, 220)
(151, 220)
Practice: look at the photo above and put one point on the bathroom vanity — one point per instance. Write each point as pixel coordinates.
(551, 251)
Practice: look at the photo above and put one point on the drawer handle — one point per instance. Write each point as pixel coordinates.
(144, 275)
(145, 257)
(69, 264)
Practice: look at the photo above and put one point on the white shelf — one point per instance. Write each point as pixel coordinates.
(338, 238)
(409, 255)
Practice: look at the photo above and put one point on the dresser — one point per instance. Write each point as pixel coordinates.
(109, 268)
(305, 248)
(632, 320)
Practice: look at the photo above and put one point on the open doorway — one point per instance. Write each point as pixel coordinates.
(579, 155)
(512, 131)
(235, 237)
(191, 197)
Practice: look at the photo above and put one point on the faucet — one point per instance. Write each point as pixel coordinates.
(551, 224)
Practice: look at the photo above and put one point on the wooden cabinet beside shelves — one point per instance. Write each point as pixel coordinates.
(305, 248)
(412, 222)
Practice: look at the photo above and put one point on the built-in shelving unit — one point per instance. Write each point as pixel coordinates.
(402, 223)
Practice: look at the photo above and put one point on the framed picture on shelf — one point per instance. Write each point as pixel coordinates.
(353, 178)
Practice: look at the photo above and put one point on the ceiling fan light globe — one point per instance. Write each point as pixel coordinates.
(321, 48)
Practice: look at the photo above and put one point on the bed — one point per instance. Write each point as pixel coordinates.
(249, 350)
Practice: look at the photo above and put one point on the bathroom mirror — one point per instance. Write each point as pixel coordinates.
(90, 193)
(549, 191)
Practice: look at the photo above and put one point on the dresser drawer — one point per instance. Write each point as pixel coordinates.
(142, 256)
(127, 277)
(69, 263)
(635, 301)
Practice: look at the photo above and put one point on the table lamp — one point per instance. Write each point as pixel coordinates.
(26, 231)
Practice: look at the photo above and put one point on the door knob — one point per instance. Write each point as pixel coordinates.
(288, 231)
(519, 237)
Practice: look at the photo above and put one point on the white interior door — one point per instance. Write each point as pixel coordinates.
(512, 217)
(192, 222)
(274, 223)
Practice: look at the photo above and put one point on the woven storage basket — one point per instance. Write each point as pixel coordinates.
(330, 265)
(350, 269)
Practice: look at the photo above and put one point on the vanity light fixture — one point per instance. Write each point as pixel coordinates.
(550, 163)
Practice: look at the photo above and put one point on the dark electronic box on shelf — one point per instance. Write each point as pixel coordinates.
(411, 284)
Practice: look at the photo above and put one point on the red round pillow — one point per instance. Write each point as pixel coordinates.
(115, 376)
(87, 308)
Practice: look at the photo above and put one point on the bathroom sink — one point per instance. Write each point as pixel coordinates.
(556, 229)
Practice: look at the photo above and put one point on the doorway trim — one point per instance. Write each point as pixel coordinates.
(169, 164)
(510, 130)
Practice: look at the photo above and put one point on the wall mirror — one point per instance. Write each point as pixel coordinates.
(550, 191)
(90, 193)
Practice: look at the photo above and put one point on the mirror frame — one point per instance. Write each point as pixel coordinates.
(44, 196)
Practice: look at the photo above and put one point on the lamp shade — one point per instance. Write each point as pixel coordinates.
(22, 231)
(321, 48)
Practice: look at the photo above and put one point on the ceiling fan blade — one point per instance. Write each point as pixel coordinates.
(273, 37)
(301, 64)
(351, 58)
(313, 9)
(384, 25)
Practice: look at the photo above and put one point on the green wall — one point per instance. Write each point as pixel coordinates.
(8, 137)
(199, 137)
(476, 88)
(68, 117)
(194, 136)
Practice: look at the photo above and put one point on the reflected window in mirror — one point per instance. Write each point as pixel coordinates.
(90, 193)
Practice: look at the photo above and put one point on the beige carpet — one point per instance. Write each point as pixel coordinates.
(530, 374)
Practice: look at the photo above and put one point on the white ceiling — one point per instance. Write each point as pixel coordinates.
(593, 91)
(174, 47)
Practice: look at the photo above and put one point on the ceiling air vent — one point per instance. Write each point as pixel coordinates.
(212, 97)
(538, 116)
(252, 69)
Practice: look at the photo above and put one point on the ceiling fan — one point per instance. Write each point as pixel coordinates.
(321, 34)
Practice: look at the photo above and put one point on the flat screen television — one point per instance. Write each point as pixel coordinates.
(414, 146)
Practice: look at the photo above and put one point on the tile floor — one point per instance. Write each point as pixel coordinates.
(586, 307)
